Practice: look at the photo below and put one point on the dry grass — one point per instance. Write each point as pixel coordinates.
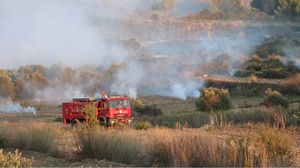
(173, 147)
(14, 160)
(276, 144)
(181, 148)
(35, 136)
(158, 146)
(122, 146)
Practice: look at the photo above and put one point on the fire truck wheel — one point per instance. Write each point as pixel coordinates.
(75, 122)
(102, 121)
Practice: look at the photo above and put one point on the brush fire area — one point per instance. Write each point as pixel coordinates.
(152, 83)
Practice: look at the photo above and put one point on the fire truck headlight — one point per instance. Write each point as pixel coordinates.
(112, 122)
(129, 121)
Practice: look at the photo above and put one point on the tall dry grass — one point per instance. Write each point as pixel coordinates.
(180, 148)
(35, 136)
(172, 147)
(124, 146)
(158, 146)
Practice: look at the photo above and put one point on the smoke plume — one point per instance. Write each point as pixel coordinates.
(10, 107)
(164, 59)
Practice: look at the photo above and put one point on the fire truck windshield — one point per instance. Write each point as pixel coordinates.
(119, 103)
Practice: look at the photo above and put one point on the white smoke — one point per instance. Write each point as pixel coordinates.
(183, 90)
(47, 32)
(10, 107)
(80, 32)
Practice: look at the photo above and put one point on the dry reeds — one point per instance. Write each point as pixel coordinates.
(115, 145)
(36, 136)
(180, 148)
(169, 147)
(158, 146)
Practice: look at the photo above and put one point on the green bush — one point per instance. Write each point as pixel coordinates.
(271, 67)
(294, 115)
(142, 125)
(213, 99)
(274, 98)
(151, 110)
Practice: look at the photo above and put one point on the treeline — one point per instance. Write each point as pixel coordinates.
(250, 10)
(26, 81)
(273, 67)
(282, 9)
(274, 58)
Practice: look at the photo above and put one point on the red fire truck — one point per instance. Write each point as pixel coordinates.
(110, 110)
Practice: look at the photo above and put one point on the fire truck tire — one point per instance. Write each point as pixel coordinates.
(75, 122)
(102, 121)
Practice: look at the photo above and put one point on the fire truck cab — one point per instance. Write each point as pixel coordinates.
(110, 110)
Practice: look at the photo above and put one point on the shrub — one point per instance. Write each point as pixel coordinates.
(273, 98)
(294, 115)
(278, 146)
(14, 160)
(151, 110)
(272, 66)
(142, 125)
(214, 99)
(90, 112)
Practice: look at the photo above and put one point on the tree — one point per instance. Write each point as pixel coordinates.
(6, 85)
(68, 76)
(28, 79)
(214, 100)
